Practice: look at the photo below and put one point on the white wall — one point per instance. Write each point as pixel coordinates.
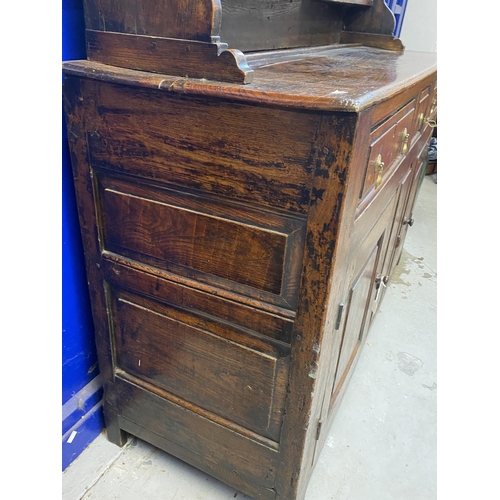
(419, 30)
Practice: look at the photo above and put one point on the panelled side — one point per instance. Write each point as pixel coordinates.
(195, 222)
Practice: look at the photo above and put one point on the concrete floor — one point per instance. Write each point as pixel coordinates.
(382, 444)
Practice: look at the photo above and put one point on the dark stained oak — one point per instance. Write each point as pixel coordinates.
(239, 234)
(177, 230)
(188, 356)
(274, 24)
(187, 58)
(330, 78)
(185, 19)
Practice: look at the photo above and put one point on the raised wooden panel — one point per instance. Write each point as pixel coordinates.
(180, 352)
(252, 326)
(179, 232)
(406, 129)
(356, 318)
(394, 252)
(384, 145)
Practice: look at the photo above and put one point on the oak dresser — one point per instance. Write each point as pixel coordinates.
(242, 210)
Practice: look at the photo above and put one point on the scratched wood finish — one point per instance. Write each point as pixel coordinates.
(332, 78)
(232, 164)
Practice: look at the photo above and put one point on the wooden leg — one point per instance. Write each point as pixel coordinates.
(114, 434)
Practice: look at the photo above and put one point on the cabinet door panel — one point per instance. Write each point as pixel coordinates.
(399, 228)
(358, 305)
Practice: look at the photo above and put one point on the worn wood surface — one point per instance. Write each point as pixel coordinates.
(176, 230)
(190, 356)
(186, 58)
(186, 19)
(329, 78)
(245, 25)
(273, 24)
(222, 230)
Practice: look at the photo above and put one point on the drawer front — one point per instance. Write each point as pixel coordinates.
(423, 108)
(388, 142)
(251, 252)
(197, 358)
(384, 148)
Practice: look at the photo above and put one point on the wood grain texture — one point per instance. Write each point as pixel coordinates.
(155, 153)
(331, 79)
(386, 141)
(299, 425)
(186, 355)
(187, 19)
(225, 454)
(179, 231)
(273, 24)
(254, 327)
(75, 120)
(186, 58)
(205, 145)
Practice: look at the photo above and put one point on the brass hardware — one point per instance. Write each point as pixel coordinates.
(431, 123)
(427, 121)
(408, 221)
(406, 137)
(379, 168)
(433, 105)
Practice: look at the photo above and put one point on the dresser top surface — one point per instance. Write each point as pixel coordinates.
(331, 78)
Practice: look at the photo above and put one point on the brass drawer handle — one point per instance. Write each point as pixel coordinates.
(379, 168)
(431, 123)
(427, 121)
(406, 138)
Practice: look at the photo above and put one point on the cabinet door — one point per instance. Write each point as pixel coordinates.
(355, 313)
(400, 225)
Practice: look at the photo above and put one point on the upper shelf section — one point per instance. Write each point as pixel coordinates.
(191, 38)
